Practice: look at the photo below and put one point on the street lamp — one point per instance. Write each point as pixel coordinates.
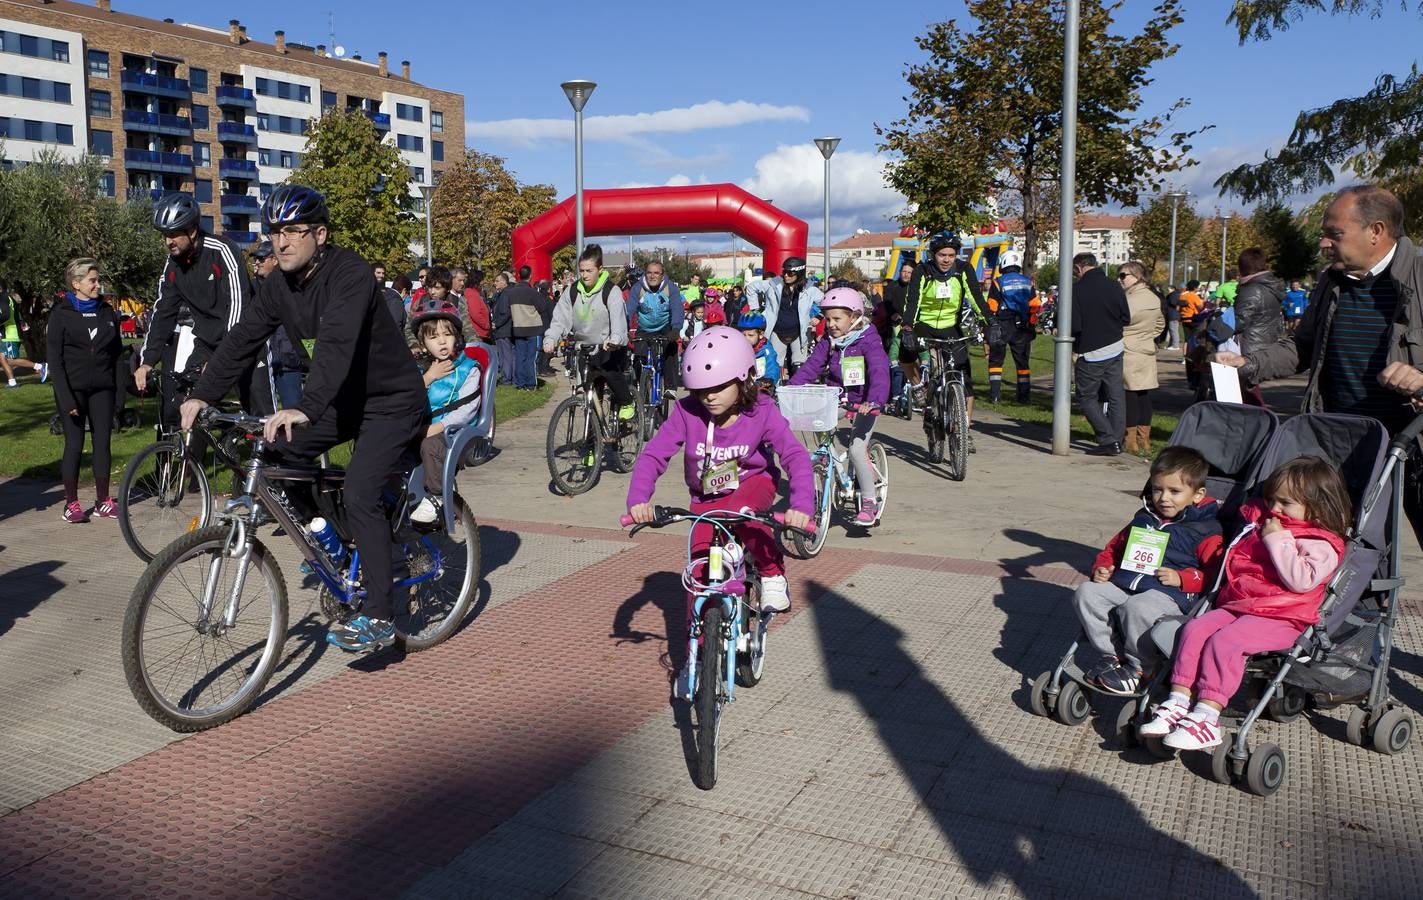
(1067, 205)
(1224, 226)
(1176, 197)
(827, 148)
(427, 191)
(578, 92)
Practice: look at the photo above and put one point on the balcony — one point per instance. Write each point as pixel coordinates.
(240, 205)
(155, 85)
(233, 97)
(379, 119)
(243, 239)
(157, 123)
(154, 161)
(237, 168)
(236, 133)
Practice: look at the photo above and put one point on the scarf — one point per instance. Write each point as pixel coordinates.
(83, 306)
(840, 343)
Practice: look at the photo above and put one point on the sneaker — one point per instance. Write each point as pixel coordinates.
(107, 509)
(869, 513)
(1119, 680)
(12, 383)
(1194, 734)
(774, 596)
(1167, 716)
(426, 513)
(362, 635)
(74, 514)
(44, 372)
(1111, 448)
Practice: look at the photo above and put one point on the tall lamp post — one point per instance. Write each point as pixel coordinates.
(827, 147)
(1062, 343)
(427, 192)
(1176, 197)
(1224, 227)
(578, 92)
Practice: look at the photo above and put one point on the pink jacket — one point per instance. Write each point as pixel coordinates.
(1282, 576)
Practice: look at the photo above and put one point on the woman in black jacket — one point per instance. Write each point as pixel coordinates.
(84, 357)
(1259, 312)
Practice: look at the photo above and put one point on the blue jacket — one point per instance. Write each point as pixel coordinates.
(654, 312)
(1195, 536)
(768, 363)
(463, 381)
(825, 360)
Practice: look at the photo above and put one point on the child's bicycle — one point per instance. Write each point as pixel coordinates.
(816, 408)
(726, 609)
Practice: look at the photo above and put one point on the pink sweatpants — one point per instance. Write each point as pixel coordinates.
(756, 493)
(1211, 654)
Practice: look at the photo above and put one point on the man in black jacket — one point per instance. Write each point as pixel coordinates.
(1099, 311)
(527, 325)
(362, 384)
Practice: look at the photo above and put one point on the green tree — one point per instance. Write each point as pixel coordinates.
(985, 115)
(1376, 137)
(1205, 249)
(366, 184)
(1151, 235)
(478, 204)
(847, 270)
(1290, 251)
(677, 266)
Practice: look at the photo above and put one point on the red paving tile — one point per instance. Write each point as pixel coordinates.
(372, 778)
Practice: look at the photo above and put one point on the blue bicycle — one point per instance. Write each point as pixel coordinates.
(653, 398)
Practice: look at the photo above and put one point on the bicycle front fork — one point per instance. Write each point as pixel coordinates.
(730, 627)
(238, 549)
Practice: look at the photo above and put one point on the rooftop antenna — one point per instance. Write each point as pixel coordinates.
(336, 49)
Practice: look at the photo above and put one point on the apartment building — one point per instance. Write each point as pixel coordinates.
(177, 106)
(1107, 236)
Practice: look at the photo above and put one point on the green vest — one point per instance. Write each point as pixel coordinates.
(940, 312)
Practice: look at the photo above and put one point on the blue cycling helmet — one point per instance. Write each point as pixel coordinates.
(751, 320)
(294, 204)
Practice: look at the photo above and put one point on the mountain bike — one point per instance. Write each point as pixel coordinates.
(726, 644)
(205, 624)
(586, 425)
(654, 404)
(836, 485)
(946, 406)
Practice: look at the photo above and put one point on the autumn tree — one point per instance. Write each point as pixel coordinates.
(1205, 249)
(985, 115)
(1288, 248)
(478, 204)
(1151, 235)
(676, 264)
(1376, 137)
(366, 184)
(847, 270)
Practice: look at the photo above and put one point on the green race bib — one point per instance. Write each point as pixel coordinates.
(852, 371)
(1146, 548)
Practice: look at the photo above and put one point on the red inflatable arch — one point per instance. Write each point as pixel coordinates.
(662, 210)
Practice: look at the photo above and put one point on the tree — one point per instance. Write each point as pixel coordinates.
(1376, 137)
(1290, 251)
(677, 266)
(1151, 235)
(478, 204)
(1205, 249)
(847, 270)
(985, 118)
(366, 184)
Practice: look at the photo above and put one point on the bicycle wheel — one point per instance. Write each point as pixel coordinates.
(958, 433)
(430, 611)
(574, 452)
(879, 459)
(824, 487)
(751, 661)
(934, 417)
(163, 496)
(627, 433)
(190, 674)
(650, 409)
(711, 679)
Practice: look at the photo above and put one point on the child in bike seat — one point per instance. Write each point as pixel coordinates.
(852, 358)
(732, 437)
(1133, 586)
(1272, 581)
(768, 368)
(453, 385)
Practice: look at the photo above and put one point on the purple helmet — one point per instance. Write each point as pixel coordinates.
(844, 298)
(715, 357)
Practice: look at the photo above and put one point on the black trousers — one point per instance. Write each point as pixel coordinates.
(1019, 339)
(96, 410)
(1099, 383)
(381, 442)
(1138, 408)
(612, 367)
(669, 355)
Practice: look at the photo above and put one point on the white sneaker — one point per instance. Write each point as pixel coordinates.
(1167, 716)
(774, 597)
(425, 513)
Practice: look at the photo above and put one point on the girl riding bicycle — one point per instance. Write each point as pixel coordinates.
(852, 359)
(728, 431)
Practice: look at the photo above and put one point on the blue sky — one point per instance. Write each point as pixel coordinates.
(735, 91)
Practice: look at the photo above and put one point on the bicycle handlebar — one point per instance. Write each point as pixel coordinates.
(670, 515)
(213, 415)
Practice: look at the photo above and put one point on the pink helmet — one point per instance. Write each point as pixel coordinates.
(715, 357)
(844, 298)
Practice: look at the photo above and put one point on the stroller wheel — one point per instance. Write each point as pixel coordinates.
(1393, 731)
(1072, 707)
(1156, 747)
(1220, 761)
(1126, 725)
(1287, 705)
(1037, 698)
(1357, 731)
(1266, 770)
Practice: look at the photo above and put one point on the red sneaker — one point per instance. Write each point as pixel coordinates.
(107, 508)
(74, 514)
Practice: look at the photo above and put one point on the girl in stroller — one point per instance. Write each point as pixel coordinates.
(1274, 575)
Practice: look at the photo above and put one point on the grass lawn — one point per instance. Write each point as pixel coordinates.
(28, 449)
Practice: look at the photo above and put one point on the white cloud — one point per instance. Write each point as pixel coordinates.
(622, 128)
(793, 176)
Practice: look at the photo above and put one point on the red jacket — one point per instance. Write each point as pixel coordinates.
(1252, 583)
(1202, 543)
(478, 312)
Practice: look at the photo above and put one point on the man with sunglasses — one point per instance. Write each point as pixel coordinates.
(201, 295)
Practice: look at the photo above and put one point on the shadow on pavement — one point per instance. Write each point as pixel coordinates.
(22, 495)
(1004, 818)
(25, 589)
(913, 454)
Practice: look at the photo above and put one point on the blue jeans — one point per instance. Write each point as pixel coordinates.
(505, 349)
(526, 353)
(289, 383)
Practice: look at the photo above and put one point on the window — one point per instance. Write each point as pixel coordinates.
(283, 124)
(410, 142)
(206, 224)
(437, 120)
(106, 184)
(101, 143)
(34, 88)
(203, 190)
(198, 80)
(202, 153)
(418, 173)
(285, 90)
(437, 151)
(328, 100)
(100, 104)
(409, 113)
(289, 159)
(200, 116)
(264, 157)
(42, 132)
(29, 45)
(98, 63)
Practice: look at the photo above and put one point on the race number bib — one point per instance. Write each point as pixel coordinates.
(852, 371)
(943, 290)
(1146, 548)
(720, 479)
(760, 367)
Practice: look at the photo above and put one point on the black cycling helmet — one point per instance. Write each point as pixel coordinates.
(944, 239)
(176, 212)
(793, 265)
(294, 204)
(431, 310)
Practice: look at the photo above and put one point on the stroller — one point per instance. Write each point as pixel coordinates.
(1233, 439)
(1345, 657)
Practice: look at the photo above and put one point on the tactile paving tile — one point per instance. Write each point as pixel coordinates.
(523, 857)
(1197, 875)
(628, 873)
(899, 877)
(858, 818)
(1275, 837)
(865, 771)
(585, 811)
(689, 834)
(807, 862)
(985, 847)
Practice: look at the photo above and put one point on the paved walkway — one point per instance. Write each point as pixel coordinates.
(888, 753)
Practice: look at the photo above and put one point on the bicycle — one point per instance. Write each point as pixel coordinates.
(727, 608)
(198, 646)
(585, 425)
(651, 394)
(946, 406)
(165, 492)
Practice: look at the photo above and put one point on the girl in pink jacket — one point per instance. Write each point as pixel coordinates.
(1274, 577)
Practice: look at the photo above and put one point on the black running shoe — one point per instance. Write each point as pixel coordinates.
(1120, 680)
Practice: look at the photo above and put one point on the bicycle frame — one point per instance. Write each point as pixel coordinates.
(842, 479)
(728, 590)
(652, 362)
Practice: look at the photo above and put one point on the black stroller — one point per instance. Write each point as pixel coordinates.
(1233, 439)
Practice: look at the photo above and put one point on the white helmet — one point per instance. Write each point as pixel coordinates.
(1010, 258)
